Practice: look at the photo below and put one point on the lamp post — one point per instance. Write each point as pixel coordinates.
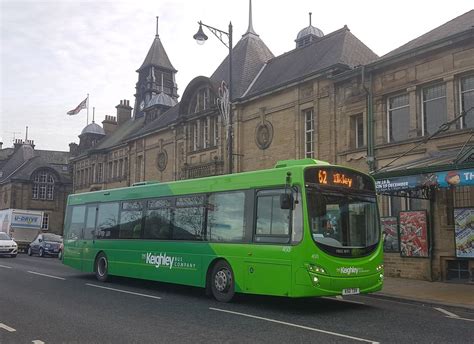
(226, 95)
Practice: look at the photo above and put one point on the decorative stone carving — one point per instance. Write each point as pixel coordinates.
(264, 135)
(162, 160)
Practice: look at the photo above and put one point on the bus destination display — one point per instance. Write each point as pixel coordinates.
(338, 177)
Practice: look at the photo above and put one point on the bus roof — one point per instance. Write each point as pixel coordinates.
(239, 181)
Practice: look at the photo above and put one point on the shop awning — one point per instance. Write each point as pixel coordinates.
(443, 169)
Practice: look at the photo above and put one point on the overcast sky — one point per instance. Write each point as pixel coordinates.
(53, 53)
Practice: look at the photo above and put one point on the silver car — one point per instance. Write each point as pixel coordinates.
(8, 246)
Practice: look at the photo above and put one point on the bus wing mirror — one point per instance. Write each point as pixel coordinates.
(286, 201)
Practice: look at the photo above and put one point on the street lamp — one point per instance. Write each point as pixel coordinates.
(226, 96)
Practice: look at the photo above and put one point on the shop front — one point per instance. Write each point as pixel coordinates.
(427, 219)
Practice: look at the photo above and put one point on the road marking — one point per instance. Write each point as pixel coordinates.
(449, 314)
(37, 341)
(294, 325)
(123, 291)
(5, 266)
(37, 273)
(340, 299)
(452, 315)
(8, 328)
(459, 318)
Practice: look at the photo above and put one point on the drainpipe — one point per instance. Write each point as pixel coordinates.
(370, 122)
(431, 232)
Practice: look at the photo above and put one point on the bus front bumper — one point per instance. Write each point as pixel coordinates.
(311, 284)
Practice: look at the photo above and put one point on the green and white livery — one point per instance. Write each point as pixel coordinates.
(304, 228)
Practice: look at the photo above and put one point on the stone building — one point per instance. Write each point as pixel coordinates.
(416, 102)
(34, 179)
(330, 98)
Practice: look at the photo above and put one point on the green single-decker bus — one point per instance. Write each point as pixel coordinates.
(303, 228)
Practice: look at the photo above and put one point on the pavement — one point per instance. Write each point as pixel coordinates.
(436, 293)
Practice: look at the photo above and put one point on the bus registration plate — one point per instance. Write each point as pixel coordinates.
(350, 291)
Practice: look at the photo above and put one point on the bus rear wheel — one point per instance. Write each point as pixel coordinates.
(222, 282)
(102, 267)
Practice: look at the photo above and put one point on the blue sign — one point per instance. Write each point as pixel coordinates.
(455, 178)
(444, 179)
(398, 183)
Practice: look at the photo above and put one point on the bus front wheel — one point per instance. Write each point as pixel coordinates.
(222, 282)
(102, 267)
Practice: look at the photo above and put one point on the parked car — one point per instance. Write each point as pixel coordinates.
(8, 246)
(45, 244)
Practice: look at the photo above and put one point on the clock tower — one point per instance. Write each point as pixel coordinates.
(156, 75)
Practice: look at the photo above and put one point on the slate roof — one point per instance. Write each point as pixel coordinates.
(434, 161)
(459, 24)
(157, 56)
(25, 161)
(118, 137)
(167, 118)
(248, 57)
(340, 47)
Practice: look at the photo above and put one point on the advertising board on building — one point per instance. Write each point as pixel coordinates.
(464, 232)
(391, 243)
(413, 234)
(444, 179)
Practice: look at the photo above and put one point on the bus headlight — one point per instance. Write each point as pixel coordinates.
(379, 267)
(381, 277)
(315, 280)
(316, 269)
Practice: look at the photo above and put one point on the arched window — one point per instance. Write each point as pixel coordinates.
(202, 100)
(43, 186)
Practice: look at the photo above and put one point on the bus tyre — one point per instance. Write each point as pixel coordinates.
(41, 252)
(222, 282)
(29, 251)
(102, 267)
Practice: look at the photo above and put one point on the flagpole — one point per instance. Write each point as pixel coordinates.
(87, 109)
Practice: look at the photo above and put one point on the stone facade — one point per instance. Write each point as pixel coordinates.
(35, 180)
(334, 106)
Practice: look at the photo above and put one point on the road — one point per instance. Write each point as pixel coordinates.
(43, 301)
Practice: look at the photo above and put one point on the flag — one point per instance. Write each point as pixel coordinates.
(82, 105)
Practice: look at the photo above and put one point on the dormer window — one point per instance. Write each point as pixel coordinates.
(202, 100)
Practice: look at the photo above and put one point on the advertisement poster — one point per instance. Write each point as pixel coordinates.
(413, 234)
(390, 234)
(464, 232)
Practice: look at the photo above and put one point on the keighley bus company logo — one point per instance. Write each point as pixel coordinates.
(349, 270)
(166, 261)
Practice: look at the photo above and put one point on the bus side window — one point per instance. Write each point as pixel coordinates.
(76, 224)
(158, 219)
(90, 222)
(225, 217)
(107, 222)
(131, 220)
(188, 220)
(273, 223)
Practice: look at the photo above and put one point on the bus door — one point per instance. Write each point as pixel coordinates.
(87, 252)
(268, 261)
(73, 235)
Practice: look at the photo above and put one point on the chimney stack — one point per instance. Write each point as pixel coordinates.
(109, 124)
(124, 111)
(73, 148)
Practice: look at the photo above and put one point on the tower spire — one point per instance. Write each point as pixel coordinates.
(250, 28)
(157, 27)
(310, 18)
